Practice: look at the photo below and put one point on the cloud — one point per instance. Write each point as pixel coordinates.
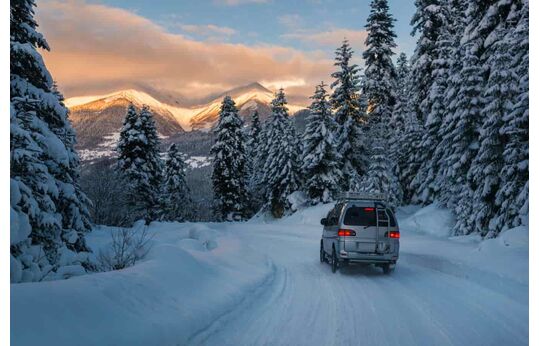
(239, 2)
(331, 37)
(208, 29)
(99, 49)
(291, 21)
(208, 32)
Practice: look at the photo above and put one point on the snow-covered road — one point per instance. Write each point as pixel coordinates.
(261, 283)
(428, 300)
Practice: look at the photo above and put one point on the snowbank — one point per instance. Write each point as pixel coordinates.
(191, 276)
(432, 219)
(425, 234)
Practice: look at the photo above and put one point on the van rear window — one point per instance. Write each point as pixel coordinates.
(360, 216)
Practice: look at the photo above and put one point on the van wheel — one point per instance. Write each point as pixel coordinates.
(334, 261)
(322, 253)
(387, 269)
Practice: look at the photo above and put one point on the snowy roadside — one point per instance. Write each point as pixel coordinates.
(425, 235)
(192, 275)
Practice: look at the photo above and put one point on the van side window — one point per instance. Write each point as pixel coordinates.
(333, 215)
(360, 216)
(331, 218)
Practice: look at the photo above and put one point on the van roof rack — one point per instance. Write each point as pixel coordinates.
(362, 196)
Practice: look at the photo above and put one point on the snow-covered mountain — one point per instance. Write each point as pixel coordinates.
(97, 119)
(248, 98)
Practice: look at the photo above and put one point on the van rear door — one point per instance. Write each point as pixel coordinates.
(362, 220)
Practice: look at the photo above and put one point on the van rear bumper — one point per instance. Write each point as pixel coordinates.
(360, 257)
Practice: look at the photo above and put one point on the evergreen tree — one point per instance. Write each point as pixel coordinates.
(380, 74)
(400, 110)
(513, 195)
(408, 160)
(139, 162)
(229, 175)
(175, 200)
(484, 173)
(349, 117)
(427, 22)
(405, 132)
(281, 167)
(379, 88)
(434, 111)
(253, 146)
(255, 159)
(50, 209)
(381, 178)
(320, 164)
(153, 160)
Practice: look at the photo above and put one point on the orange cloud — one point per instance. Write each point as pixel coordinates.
(98, 49)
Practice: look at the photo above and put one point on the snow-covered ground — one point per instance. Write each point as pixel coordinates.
(261, 283)
(107, 149)
(198, 161)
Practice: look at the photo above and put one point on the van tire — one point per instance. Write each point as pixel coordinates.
(387, 269)
(334, 261)
(322, 253)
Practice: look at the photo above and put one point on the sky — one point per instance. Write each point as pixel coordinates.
(191, 49)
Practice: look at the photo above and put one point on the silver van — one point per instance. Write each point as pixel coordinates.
(360, 229)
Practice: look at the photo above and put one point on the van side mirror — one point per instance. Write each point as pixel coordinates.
(323, 221)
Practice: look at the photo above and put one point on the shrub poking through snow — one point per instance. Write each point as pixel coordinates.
(128, 246)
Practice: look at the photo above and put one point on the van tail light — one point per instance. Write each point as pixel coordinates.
(368, 209)
(346, 233)
(395, 235)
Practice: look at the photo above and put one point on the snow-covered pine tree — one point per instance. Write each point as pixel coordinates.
(427, 22)
(229, 174)
(380, 74)
(463, 130)
(281, 167)
(400, 109)
(434, 111)
(139, 162)
(484, 173)
(154, 162)
(255, 159)
(253, 144)
(72, 202)
(50, 209)
(379, 87)
(175, 199)
(321, 160)
(350, 118)
(381, 177)
(405, 132)
(513, 195)
(408, 162)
